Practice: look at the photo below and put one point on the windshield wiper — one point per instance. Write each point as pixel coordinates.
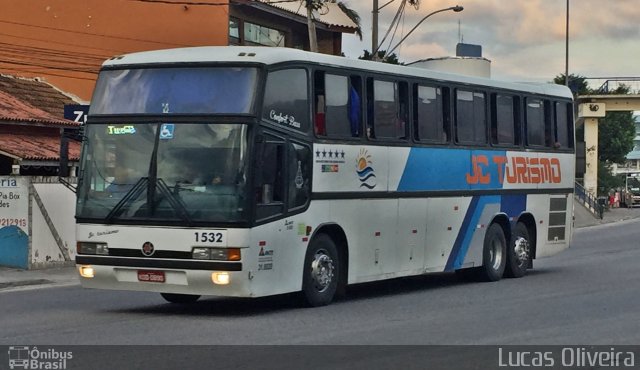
(130, 196)
(133, 194)
(153, 173)
(176, 203)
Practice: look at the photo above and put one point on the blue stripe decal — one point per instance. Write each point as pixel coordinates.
(468, 227)
(451, 169)
(513, 205)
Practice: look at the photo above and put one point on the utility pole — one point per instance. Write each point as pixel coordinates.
(374, 30)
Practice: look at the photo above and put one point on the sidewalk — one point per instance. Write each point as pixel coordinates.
(584, 218)
(12, 279)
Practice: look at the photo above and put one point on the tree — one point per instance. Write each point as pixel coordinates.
(616, 133)
(606, 179)
(577, 84)
(616, 130)
(382, 56)
(317, 5)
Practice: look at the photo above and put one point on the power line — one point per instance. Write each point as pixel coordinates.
(184, 2)
(60, 43)
(90, 34)
(22, 63)
(47, 73)
(53, 53)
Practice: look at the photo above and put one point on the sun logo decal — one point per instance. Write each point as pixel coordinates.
(365, 172)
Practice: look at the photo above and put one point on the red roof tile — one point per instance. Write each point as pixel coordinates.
(12, 109)
(36, 147)
(37, 93)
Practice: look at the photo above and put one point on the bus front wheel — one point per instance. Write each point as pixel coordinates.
(320, 274)
(180, 298)
(493, 254)
(519, 252)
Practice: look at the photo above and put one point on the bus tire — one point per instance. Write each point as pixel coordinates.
(320, 273)
(180, 298)
(519, 252)
(493, 254)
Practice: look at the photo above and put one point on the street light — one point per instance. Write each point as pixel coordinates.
(456, 9)
(566, 57)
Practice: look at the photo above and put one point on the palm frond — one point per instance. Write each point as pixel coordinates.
(354, 16)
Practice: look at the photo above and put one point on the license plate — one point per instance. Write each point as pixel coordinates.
(151, 276)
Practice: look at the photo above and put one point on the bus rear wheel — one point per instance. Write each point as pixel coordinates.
(180, 298)
(519, 252)
(320, 273)
(493, 254)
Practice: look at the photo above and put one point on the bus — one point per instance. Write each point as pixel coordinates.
(254, 171)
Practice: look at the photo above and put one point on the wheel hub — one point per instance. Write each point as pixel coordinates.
(495, 254)
(521, 248)
(322, 270)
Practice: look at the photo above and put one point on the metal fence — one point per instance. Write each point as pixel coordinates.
(592, 203)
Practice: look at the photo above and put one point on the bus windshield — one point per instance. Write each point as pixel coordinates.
(196, 90)
(182, 172)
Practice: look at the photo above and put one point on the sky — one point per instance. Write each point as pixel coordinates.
(524, 39)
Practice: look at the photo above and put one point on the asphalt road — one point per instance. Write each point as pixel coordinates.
(587, 295)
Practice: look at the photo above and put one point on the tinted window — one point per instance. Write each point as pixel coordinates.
(175, 90)
(428, 114)
(503, 125)
(387, 104)
(337, 105)
(563, 126)
(470, 117)
(535, 121)
(285, 99)
(385, 109)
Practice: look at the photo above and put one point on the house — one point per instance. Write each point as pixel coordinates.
(65, 42)
(31, 119)
(285, 24)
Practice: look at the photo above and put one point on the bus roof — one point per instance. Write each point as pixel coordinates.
(274, 55)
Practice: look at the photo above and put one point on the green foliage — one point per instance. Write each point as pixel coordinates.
(577, 84)
(615, 136)
(606, 180)
(382, 56)
(616, 130)
(353, 15)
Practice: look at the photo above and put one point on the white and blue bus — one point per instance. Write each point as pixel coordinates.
(248, 172)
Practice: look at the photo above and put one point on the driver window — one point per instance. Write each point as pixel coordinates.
(299, 175)
(269, 182)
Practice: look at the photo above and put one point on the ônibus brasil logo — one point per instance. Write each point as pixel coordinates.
(31, 358)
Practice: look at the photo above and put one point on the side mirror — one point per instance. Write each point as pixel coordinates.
(66, 136)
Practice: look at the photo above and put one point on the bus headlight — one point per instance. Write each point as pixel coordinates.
(86, 271)
(92, 248)
(218, 254)
(220, 278)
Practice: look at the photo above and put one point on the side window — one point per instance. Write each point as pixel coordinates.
(563, 126)
(505, 129)
(471, 121)
(428, 114)
(387, 108)
(337, 105)
(285, 99)
(269, 172)
(299, 162)
(534, 116)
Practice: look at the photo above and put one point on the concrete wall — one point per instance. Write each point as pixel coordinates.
(59, 203)
(37, 225)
